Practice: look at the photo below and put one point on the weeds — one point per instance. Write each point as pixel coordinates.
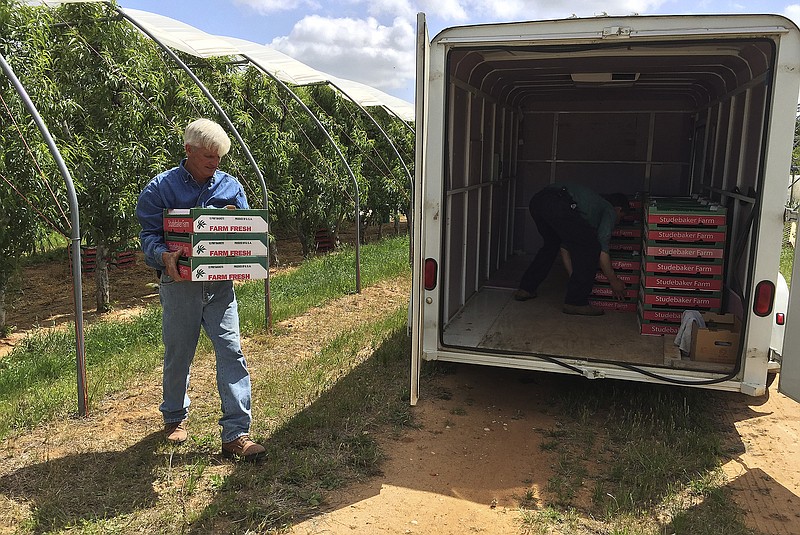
(658, 472)
(786, 262)
(37, 380)
(660, 452)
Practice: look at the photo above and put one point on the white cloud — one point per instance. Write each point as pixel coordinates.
(389, 8)
(357, 49)
(452, 10)
(272, 6)
(408, 9)
(508, 10)
(379, 50)
(793, 12)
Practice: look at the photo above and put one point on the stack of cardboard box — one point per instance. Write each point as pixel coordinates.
(218, 244)
(625, 250)
(683, 261)
(123, 257)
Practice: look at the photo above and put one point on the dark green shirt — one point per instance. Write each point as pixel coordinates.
(597, 211)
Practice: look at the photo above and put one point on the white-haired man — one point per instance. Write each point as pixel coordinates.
(189, 305)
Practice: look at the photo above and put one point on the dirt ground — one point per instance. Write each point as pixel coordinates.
(470, 462)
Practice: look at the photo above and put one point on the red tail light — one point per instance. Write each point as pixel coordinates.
(431, 271)
(780, 318)
(765, 293)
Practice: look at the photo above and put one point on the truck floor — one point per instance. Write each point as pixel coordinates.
(492, 319)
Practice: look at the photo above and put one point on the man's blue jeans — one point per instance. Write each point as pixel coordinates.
(186, 307)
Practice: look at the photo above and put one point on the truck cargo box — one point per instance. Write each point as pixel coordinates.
(692, 117)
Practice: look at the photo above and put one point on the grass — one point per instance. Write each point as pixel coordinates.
(628, 458)
(37, 380)
(321, 279)
(655, 466)
(327, 443)
(325, 409)
(787, 260)
(317, 446)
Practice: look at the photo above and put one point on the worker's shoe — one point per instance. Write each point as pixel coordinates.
(243, 448)
(582, 310)
(176, 432)
(523, 295)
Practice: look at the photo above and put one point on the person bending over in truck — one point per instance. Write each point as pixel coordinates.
(188, 305)
(578, 222)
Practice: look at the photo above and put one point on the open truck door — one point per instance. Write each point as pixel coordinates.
(417, 290)
(790, 366)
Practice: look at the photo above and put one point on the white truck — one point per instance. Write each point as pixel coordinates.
(669, 109)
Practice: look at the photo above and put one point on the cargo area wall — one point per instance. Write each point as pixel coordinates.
(627, 151)
(732, 128)
(729, 140)
(479, 191)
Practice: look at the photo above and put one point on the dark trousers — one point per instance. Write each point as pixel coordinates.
(561, 225)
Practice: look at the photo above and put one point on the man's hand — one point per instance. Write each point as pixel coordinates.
(170, 259)
(617, 288)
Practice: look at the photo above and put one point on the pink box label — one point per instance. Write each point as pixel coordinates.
(626, 265)
(605, 291)
(682, 300)
(627, 278)
(669, 316)
(619, 306)
(681, 268)
(659, 328)
(178, 224)
(627, 232)
(682, 283)
(684, 252)
(706, 236)
(686, 219)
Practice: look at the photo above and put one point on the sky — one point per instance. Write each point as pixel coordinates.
(373, 41)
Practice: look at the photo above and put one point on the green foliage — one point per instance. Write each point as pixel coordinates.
(796, 146)
(787, 261)
(23, 192)
(117, 105)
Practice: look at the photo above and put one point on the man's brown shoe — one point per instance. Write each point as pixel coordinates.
(582, 310)
(243, 448)
(523, 295)
(176, 432)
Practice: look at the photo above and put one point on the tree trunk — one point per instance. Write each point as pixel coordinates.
(273, 251)
(3, 308)
(365, 219)
(102, 296)
(335, 231)
(306, 243)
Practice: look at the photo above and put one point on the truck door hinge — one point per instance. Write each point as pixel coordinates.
(616, 31)
(789, 214)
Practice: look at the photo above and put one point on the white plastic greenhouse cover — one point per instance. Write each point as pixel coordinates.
(196, 42)
(191, 40)
(291, 71)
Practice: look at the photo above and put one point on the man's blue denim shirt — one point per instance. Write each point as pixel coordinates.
(176, 188)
